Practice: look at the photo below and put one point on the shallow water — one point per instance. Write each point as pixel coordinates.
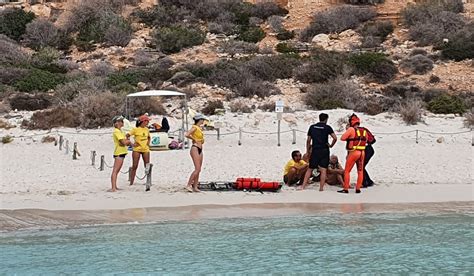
(328, 243)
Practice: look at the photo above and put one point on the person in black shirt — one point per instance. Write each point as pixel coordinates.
(317, 146)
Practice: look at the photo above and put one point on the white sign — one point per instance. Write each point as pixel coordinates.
(279, 105)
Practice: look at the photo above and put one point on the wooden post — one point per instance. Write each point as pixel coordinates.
(129, 174)
(61, 140)
(278, 132)
(93, 154)
(416, 139)
(67, 147)
(74, 151)
(240, 136)
(218, 134)
(102, 161)
(148, 177)
(294, 136)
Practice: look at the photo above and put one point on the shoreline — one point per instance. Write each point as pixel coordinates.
(135, 197)
(38, 219)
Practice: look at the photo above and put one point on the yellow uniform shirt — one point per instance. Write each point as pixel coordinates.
(117, 136)
(141, 135)
(198, 135)
(292, 163)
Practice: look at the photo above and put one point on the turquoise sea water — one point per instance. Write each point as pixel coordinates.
(382, 243)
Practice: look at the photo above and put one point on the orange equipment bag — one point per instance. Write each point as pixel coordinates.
(256, 184)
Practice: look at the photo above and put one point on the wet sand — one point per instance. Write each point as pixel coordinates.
(38, 219)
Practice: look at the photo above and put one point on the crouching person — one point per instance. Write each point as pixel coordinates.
(295, 169)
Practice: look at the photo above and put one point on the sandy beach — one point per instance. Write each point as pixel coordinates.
(438, 168)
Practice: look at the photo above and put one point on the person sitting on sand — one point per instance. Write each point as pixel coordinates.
(335, 174)
(295, 169)
(121, 142)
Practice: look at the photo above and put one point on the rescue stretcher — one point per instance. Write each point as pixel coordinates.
(241, 184)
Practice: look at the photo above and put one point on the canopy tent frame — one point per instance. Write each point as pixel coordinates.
(162, 93)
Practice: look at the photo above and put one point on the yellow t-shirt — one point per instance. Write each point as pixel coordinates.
(198, 135)
(292, 163)
(117, 136)
(141, 135)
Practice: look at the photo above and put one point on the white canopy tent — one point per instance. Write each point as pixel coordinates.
(162, 93)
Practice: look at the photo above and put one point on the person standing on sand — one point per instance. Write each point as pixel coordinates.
(317, 146)
(369, 152)
(141, 147)
(197, 137)
(121, 142)
(356, 138)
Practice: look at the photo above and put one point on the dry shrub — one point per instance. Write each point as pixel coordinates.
(276, 23)
(102, 69)
(41, 33)
(144, 58)
(150, 105)
(411, 111)
(97, 110)
(65, 93)
(417, 64)
(210, 108)
(434, 79)
(10, 75)
(339, 93)
(254, 87)
(469, 120)
(240, 106)
(7, 139)
(11, 53)
(268, 106)
(182, 78)
(233, 47)
(48, 139)
(4, 107)
(24, 101)
(5, 124)
(56, 117)
(336, 20)
(402, 90)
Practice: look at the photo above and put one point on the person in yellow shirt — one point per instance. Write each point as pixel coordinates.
(197, 137)
(295, 169)
(141, 147)
(121, 142)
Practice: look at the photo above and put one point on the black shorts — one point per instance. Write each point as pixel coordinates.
(319, 158)
(121, 155)
(293, 181)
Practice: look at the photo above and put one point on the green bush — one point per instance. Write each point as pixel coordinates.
(172, 39)
(285, 35)
(377, 65)
(131, 77)
(460, 45)
(39, 80)
(251, 34)
(447, 104)
(285, 48)
(322, 67)
(13, 22)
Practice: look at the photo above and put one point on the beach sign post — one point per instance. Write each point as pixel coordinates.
(279, 107)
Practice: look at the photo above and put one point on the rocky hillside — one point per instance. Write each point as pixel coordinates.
(79, 58)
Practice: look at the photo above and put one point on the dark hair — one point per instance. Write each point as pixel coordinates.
(197, 121)
(294, 153)
(323, 117)
(138, 123)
